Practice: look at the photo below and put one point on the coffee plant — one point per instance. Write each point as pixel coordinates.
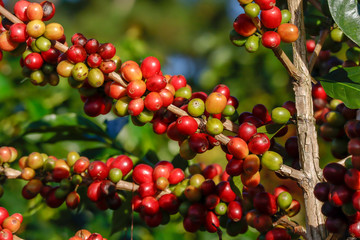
(225, 200)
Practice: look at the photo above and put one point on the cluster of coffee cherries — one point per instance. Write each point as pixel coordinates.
(273, 25)
(154, 201)
(341, 196)
(336, 122)
(84, 234)
(9, 224)
(242, 150)
(34, 40)
(100, 178)
(263, 209)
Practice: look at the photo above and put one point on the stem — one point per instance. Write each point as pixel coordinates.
(318, 47)
(307, 136)
(292, 173)
(10, 173)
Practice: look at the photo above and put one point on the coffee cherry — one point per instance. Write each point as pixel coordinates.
(244, 25)
(214, 126)
(76, 54)
(186, 125)
(142, 174)
(150, 66)
(321, 191)
(251, 164)
(270, 39)
(211, 222)
(107, 66)
(150, 205)
(252, 10)
(34, 11)
(178, 81)
(271, 18)
(17, 32)
(81, 165)
(225, 192)
(5, 234)
(107, 51)
(288, 32)
(3, 214)
(98, 170)
(153, 101)
(259, 143)
(251, 181)
(72, 200)
(234, 211)
(196, 107)
(198, 142)
(35, 28)
(271, 160)
(266, 4)
(238, 148)
(334, 173)
(280, 115)
(20, 10)
(284, 200)
(54, 31)
(215, 103)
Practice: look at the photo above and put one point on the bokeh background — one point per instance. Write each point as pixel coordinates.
(190, 37)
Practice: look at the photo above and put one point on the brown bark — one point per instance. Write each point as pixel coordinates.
(307, 136)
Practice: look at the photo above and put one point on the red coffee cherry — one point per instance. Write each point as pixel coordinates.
(321, 191)
(223, 89)
(318, 92)
(246, 131)
(3, 214)
(176, 176)
(142, 174)
(186, 125)
(153, 101)
(259, 143)
(156, 83)
(178, 81)
(107, 51)
(234, 211)
(265, 202)
(334, 173)
(212, 222)
(266, 4)
(271, 18)
(94, 191)
(91, 46)
(170, 203)
(18, 32)
(33, 61)
(150, 66)
(76, 53)
(136, 88)
(20, 10)
(225, 192)
(310, 45)
(270, 39)
(235, 167)
(244, 25)
(238, 148)
(149, 205)
(98, 170)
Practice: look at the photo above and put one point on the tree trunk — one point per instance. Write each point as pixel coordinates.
(307, 136)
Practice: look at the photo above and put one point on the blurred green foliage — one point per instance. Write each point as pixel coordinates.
(190, 37)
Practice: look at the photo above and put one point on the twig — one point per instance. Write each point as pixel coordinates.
(287, 63)
(292, 173)
(342, 161)
(296, 228)
(318, 47)
(316, 4)
(10, 173)
(17, 238)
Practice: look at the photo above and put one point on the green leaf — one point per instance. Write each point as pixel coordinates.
(179, 162)
(270, 129)
(236, 185)
(122, 217)
(343, 84)
(63, 122)
(346, 15)
(151, 157)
